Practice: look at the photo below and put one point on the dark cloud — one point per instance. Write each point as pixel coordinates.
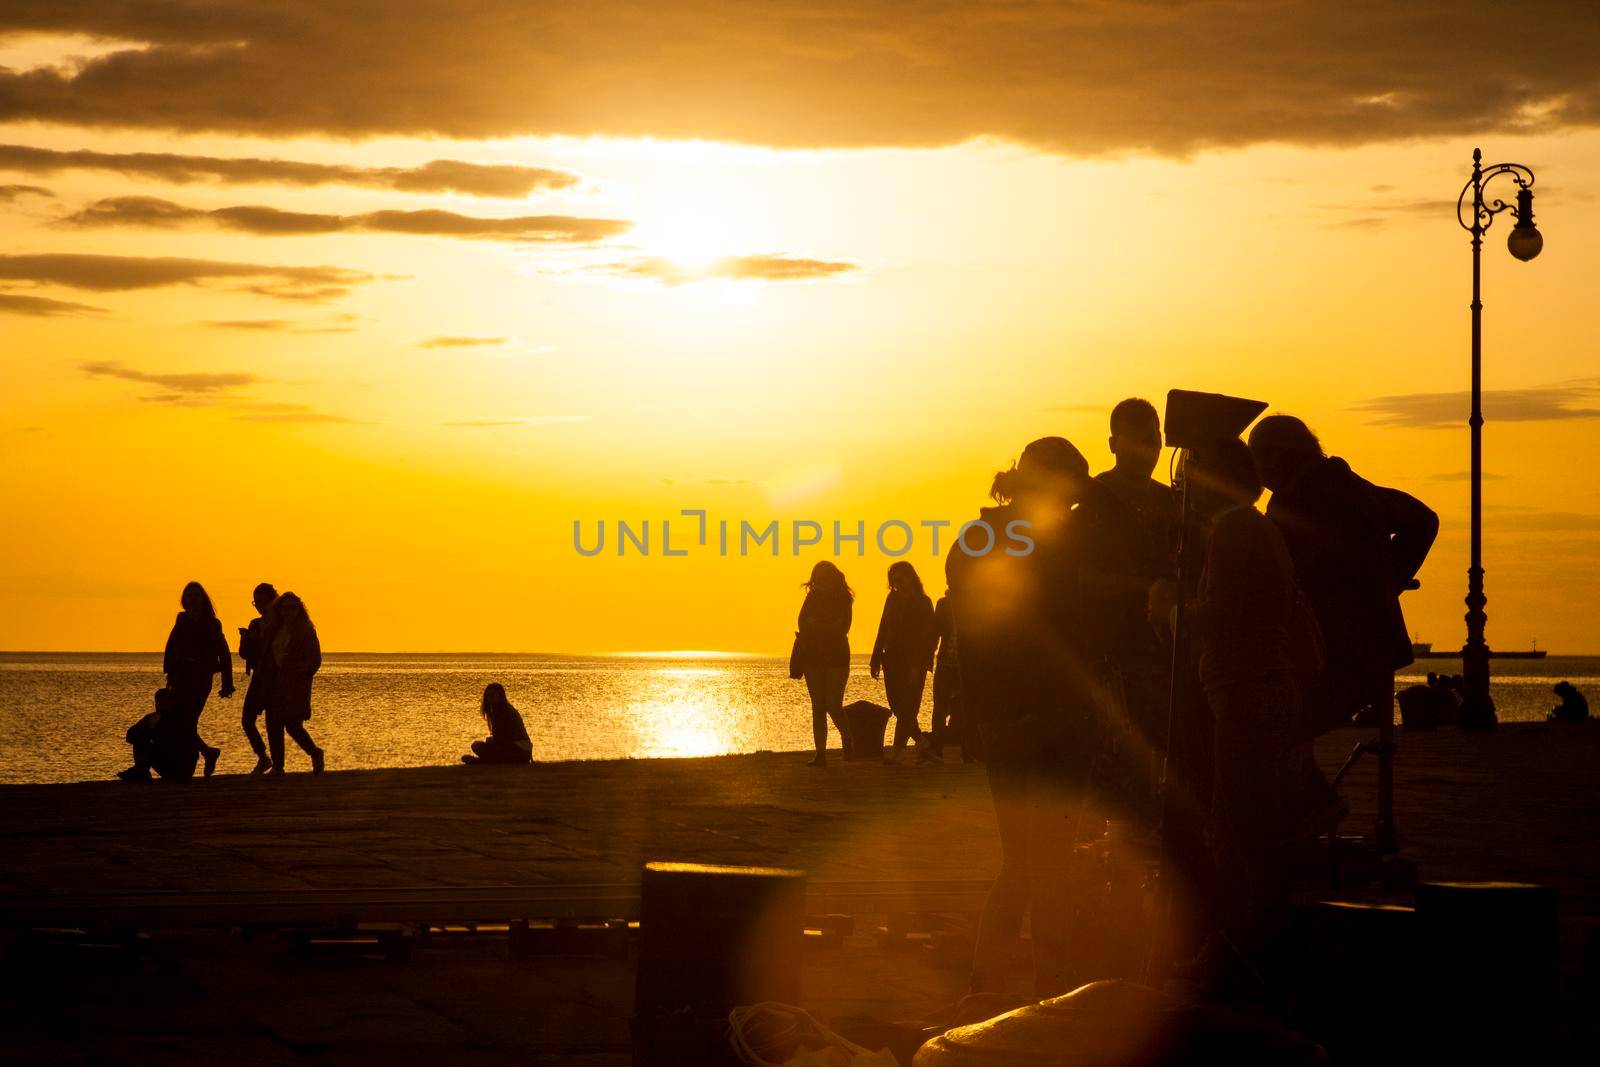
(731, 268)
(1084, 76)
(336, 324)
(203, 389)
(120, 273)
(43, 306)
(176, 385)
(463, 342)
(440, 176)
(1570, 400)
(9, 193)
(275, 222)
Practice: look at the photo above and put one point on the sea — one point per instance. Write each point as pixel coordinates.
(63, 715)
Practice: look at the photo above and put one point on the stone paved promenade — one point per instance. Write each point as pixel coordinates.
(1522, 803)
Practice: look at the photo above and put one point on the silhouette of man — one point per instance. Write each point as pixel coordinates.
(258, 667)
(1356, 547)
(1141, 516)
(1243, 619)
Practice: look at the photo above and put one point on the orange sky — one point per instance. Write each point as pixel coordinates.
(392, 384)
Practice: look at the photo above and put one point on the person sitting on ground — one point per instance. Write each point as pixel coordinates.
(508, 736)
(1573, 707)
(161, 742)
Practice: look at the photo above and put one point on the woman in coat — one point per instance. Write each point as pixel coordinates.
(296, 653)
(196, 653)
(822, 653)
(903, 651)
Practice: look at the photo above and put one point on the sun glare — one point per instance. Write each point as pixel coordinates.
(691, 239)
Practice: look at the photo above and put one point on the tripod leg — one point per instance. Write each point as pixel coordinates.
(1384, 836)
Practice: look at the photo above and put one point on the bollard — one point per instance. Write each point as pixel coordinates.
(712, 938)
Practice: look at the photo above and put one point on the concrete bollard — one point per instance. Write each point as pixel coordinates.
(712, 938)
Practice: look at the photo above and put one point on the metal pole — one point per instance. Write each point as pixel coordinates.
(1477, 709)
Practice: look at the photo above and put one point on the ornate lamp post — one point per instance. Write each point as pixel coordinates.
(1477, 709)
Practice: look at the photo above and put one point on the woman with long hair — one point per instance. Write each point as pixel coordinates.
(196, 653)
(1012, 611)
(296, 653)
(822, 653)
(508, 735)
(903, 651)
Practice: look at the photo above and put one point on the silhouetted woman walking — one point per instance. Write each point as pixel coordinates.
(196, 653)
(296, 656)
(903, 651)
(822, 653)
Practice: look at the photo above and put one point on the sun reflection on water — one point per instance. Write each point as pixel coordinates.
(676, 716)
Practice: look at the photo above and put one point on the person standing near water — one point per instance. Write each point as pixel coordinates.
(258, 667)
(822, 653)
(196, 653)
(296, 656)
(903, 651)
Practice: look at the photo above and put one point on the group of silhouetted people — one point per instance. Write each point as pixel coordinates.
(281, 655)
(913, 640)
(1063, 659)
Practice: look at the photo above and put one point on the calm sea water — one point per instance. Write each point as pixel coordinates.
(63, 715)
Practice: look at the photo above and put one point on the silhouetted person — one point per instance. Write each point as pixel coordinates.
(1447, 701)
(1141, 516)
(903, 651)
(508, 736)
(1243, 622)
(1015, 631)
(1573, 707)
(196, 653)
(162, 741)
(259, 668)
(950, 719)
(822, 653)
(1356, 546)
(296, 654)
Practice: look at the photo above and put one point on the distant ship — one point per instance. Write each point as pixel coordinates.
(1424, 650)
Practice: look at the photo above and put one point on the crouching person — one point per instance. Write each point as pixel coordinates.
(162, 743)
(508, 737)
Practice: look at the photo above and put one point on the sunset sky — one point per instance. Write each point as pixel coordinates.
(374, 300)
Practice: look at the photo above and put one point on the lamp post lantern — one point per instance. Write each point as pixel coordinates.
(1525, 242)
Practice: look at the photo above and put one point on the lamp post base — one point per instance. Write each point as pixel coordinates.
(1477, 707)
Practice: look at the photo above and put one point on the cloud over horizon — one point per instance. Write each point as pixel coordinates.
(210, 389)
(8, 193)
(463, 342)
(1079, 76)
(765, 268)
(100, 273)
(44, 307)
(1433, 411)
(500, 180)
(151, 211)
